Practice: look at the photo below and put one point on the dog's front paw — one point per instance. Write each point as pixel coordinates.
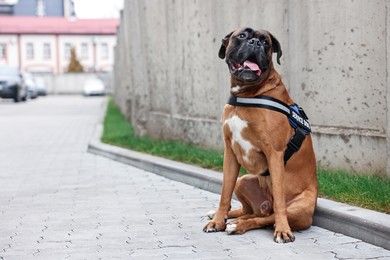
(218, 223)
(214, 226)
(284, 236)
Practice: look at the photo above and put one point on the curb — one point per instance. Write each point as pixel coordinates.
(367, 225)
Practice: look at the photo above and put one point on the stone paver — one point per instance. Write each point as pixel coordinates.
(59, 202)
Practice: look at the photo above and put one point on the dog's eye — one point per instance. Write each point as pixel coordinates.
(242, 35)
(263, 40)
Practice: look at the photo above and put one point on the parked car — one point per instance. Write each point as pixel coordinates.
(94, 87)
(12, 84)
(31, 85)
(41, 86)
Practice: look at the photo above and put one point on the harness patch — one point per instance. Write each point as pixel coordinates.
(298, 118)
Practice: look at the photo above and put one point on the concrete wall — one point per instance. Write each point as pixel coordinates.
(171, 84)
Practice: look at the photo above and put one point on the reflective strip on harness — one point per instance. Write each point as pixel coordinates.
(264, 102)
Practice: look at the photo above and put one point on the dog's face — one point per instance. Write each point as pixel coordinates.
(248, 54)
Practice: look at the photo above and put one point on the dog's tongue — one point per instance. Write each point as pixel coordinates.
(252, 66)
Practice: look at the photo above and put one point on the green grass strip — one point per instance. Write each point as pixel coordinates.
(119, 132)
(370, 192)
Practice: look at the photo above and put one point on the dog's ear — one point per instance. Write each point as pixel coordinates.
(224, 44)
(276, 48)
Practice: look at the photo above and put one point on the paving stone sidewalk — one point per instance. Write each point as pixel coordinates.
(59, 202)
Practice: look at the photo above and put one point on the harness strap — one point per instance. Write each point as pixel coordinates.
(295, 114)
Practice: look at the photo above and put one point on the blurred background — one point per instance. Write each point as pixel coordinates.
(38, 37)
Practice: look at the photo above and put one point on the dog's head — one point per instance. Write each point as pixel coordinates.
(248, 53)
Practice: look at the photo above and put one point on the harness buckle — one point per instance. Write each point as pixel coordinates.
(297, 139)
(293, 146)
(302, 112)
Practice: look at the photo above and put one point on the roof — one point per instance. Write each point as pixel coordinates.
(56, 25)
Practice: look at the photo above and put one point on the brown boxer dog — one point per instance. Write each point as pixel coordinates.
(256, 139)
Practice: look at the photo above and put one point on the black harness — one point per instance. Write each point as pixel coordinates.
(295, 114)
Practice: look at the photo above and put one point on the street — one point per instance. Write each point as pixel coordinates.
(59, 202)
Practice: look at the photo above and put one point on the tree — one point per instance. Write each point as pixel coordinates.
(74, 63)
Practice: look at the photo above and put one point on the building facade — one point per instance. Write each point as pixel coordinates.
(37, 36)
(43, 44)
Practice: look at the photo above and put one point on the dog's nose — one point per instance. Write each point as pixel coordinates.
(254, 42)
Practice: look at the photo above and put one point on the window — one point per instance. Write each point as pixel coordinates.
(30, 51)
(67, 50)
(41, 11)
(104, 51)
(84, 51)
(3, 51)
(46, 51)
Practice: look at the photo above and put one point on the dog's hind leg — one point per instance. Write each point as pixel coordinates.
(246, 189)
(299, 214)
(241, 225)
(244, 184)
(236, 213)
(253, 193)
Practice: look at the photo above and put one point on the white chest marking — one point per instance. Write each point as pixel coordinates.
(236, 126)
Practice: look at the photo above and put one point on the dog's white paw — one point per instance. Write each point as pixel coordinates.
(231, 228)
(210, 214)
(279, 240)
